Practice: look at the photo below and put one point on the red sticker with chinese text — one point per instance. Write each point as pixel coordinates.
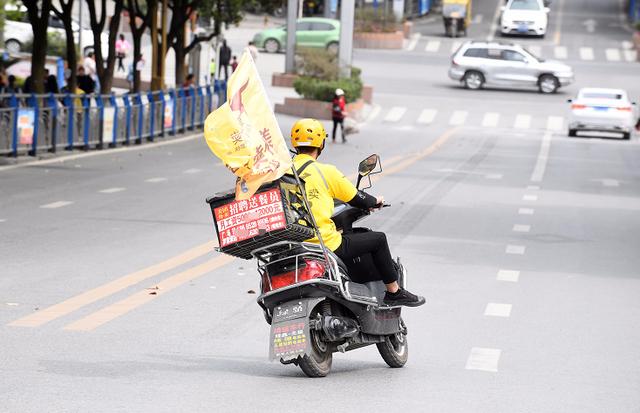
(241, 220)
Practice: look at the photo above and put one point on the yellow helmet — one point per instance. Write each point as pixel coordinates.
(308, 132)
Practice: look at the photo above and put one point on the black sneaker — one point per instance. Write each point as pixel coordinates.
(403, 297)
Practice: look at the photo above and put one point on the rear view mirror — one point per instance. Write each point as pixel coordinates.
(368, 165)
(547, 10)
(569, 100)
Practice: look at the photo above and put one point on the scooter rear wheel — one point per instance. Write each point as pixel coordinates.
(318, 363)
(394, 350)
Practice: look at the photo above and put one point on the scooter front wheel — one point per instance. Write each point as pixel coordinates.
(394, 350)
(318, 363)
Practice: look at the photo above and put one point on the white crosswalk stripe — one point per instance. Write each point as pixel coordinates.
(522, 122)
(555, 123)
(458, 118)
(626, 44)
(414, 41)
(586, 53)
(490, 119)
(536, 50)
(484, 359)
(395, 114)
(427, 116)
(432, 46)
(455, 46)
(613, 55)
(560, 52)
(631, 55)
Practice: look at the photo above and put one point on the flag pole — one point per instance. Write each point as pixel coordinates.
(307, 205)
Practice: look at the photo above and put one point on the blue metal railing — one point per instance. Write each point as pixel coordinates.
(30, 124)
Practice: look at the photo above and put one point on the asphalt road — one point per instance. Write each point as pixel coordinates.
(523, 240)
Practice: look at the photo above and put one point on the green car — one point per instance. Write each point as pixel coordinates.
(310, 32)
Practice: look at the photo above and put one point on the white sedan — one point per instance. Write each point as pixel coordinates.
(524, 17)
(602, 110)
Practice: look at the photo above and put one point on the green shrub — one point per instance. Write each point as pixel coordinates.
(316, 63)
(368, 20)
(324, 90)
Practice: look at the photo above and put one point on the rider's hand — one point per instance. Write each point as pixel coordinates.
(380, 201)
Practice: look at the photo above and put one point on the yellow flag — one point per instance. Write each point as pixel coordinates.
(244, 133)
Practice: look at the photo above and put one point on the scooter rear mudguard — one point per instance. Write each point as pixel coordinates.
(289, 337)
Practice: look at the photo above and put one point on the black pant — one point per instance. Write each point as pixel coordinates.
(337, 122)
(226, 68)
(360, 244)
(120, 57)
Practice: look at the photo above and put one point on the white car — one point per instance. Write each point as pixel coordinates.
(524, 17)
(602, 110)
(18, 33)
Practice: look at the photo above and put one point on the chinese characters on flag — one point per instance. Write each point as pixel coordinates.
(244, 133)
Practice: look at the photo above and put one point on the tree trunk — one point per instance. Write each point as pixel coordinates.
(105, 74)
(72, 58)
(178, 48)
(38, 13)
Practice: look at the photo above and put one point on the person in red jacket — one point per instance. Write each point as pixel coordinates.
(338, 114)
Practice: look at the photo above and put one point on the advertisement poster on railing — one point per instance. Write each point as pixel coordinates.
(108, 119)
(168, 113)
(26, 118)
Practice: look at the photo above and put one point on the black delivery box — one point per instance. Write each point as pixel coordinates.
(275, 213)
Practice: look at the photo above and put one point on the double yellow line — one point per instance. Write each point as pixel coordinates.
(115, 310)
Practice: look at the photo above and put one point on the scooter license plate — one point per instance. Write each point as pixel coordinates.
(290, 311)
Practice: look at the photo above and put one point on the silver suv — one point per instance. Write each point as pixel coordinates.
(476, 64)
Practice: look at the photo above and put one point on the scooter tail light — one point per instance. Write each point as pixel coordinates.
(625, 108)
(578, 106)
(309, 270)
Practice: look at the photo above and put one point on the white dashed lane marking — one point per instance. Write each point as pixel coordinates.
(490, 119)
(508, 275)
(156, 180)
(586, 53)
(427, 116)
(610, 182)
(543, 156)
(58, 204)
(515, 249)
(395, 114)
(522, 122)
(612, 55)
(530, 198)
(521, 228)
(432, 46)
(533, 187)
(525, 211)
(560, 52)
(497, 310)
(3, 220)
(555, 123)
(458, 118)
(192, 171)
(111, 190)
(484, 359)
(493, 176)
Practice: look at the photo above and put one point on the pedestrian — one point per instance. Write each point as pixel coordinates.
(84, 81)
(189, 81)
(122, 49)
(225, 58)
(253, 50)
(212, 69)
(12, 87)
(234, 64)
(90, 69)
(338, 114)
(51, 84)
(637, 123)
